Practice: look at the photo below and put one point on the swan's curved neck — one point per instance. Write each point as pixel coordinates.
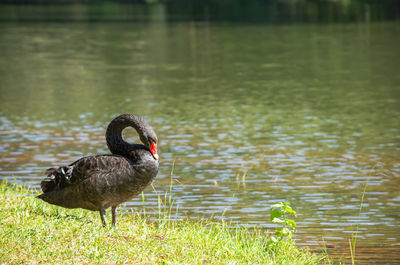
(115, 142)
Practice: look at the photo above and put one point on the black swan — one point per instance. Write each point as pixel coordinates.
(102, 181)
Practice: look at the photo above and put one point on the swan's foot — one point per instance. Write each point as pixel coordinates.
(103, 216)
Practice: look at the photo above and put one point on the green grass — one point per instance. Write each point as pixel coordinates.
(34, 232)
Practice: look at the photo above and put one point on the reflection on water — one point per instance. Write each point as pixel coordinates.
(247, 116)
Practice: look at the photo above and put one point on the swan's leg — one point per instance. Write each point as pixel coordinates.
(102, 216)
(114, 215)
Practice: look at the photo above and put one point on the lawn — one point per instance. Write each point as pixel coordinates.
(34, 232)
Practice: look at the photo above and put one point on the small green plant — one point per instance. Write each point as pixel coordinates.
(279, 216)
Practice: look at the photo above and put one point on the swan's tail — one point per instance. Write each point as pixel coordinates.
(59, 189)
(57, 178)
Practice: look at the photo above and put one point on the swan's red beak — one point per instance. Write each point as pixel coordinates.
(153, 150)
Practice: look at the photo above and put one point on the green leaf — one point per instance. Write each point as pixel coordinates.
(277, 205)
(277, 221)
(275, 213)
(288, 209)
(286, 232)
(278, 231)
(290, 223)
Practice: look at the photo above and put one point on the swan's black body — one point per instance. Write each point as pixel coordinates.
(102, 181)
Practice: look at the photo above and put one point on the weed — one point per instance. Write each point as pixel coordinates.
(285, 226)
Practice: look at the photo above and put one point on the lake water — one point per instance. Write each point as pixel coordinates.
(246, 114)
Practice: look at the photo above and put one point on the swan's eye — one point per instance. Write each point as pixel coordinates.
(151, 141)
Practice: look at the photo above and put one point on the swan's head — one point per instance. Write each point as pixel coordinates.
(149, 139)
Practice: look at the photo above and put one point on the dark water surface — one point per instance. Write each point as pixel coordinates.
(247, 115)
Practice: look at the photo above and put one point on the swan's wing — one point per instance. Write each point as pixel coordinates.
(87, 167)
(82, 169)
